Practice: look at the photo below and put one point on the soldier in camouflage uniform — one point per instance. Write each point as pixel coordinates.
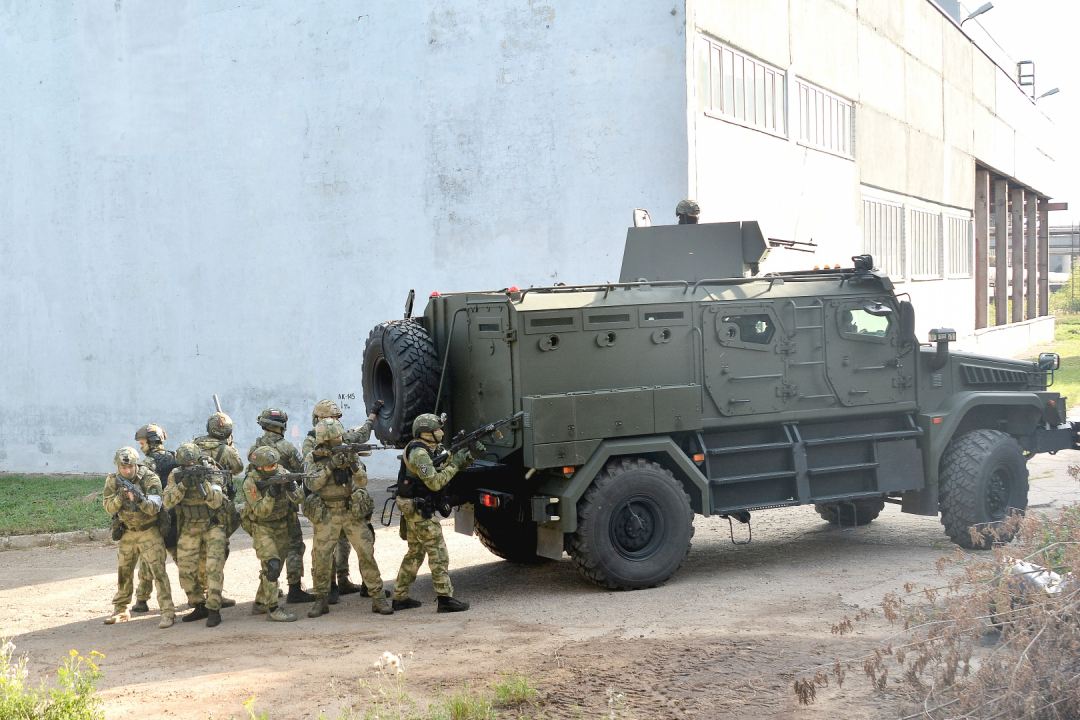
(273, 421)
(418, 483)
(202, 534)
(142, 537)
(339, 503)
(217, 445)
(339, 583)
(151, 439)
(266, 513)
(688, 212)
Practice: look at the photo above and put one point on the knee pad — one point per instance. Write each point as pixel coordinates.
(273, 569)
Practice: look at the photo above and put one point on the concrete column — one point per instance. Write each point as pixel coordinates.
(1017, 212)
(1032, 253)
(1044, 259)
(1001, 252)
(982, 249)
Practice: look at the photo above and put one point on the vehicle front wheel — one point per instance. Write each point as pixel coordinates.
(634, 526)
(983, 480)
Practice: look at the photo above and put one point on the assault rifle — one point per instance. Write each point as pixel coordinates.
(465, 440)
(358, 448)
(282, 480)
(195, 474)
(130, 487)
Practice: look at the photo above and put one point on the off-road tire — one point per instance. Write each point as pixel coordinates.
(632, 488)
(401, 368)
(502, 534)
(864, 512)
(974, 468)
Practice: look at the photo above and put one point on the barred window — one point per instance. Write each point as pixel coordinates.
(732, 86)
(959, 245)
(883, 235)
(826, 121)
(924, 232)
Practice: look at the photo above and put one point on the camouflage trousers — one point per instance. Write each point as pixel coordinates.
(271, 540)
(341, 522)
(294, 560)
(148, 546)
(341, 555)
(425, 539)
(146, 577)
(200, 556)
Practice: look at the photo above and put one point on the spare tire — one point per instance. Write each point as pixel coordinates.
(401, 368)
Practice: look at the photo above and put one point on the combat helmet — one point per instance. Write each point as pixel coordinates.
(273, 418)
(188, 454)
(264, 456)
(219, 425)
(426, 423)
(324, 409)
(126, 456)
(687, 207)
(328, 429)
(151, 433)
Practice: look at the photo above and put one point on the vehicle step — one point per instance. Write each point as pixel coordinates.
(752, 478)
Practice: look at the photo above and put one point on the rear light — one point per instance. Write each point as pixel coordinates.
(568, 470)
(434, 294)
(700, 457)
(512, 288)
(489, 500)
(1051, 403)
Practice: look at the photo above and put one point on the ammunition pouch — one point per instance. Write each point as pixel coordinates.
(116, 528)
(194, 512)
(314, 508)
(342, 475)
(164, 522)
(363, 506)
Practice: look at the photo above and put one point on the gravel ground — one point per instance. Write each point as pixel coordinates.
(724, 638)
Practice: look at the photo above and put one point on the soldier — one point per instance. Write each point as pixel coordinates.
(137, 506)
(339, 504)
(266, 512)
(151, 439)
(202, 535)
(273, 421)
(217, 445)
(688, 212)
(418, 483)
(339, 583)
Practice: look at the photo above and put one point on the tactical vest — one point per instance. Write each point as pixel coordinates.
(410, 485)
(164, 462)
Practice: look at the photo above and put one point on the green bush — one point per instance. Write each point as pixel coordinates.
(72, 698)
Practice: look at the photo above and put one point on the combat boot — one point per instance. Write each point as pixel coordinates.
(198, 613)
(213, 618)
(140, 606)
(259, 609)
(280, 614)
(321, 607)
(345, 585)
(381, 606)
(165, 622)
(406, 604)
(449, 604)
(118, 617)
(333, 597)
(298, 595)
(227, 602)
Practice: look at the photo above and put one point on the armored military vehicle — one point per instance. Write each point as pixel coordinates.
(696, 385)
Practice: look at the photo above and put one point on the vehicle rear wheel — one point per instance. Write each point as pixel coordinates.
(864, 512)
(502, 534)
(983, 480)
(634, 526)
(401, 368)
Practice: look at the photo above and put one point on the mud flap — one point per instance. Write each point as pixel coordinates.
(464, 519)
(549, 542)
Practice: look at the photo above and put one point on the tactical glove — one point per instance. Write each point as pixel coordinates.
(460, 459)
(477, 450)
(273, 491)
(376, 407)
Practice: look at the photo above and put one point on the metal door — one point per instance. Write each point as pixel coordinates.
(744, 360)
(489, 392)
(866, 363)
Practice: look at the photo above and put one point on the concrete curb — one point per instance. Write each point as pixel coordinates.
(25, 542)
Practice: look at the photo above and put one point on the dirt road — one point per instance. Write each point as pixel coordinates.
(724, 639)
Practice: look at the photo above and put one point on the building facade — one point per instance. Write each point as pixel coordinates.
(201, 198)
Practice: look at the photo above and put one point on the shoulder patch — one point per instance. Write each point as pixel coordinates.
(254, 495)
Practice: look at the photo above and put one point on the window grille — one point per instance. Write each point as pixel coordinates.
(959, 245)
(883, 235)
(924, 232)
(735, 87)
(826, 121)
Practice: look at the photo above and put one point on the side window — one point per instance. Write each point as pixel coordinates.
(753, 329)
(858, 324)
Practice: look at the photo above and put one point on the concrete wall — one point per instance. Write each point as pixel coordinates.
(207, 197)
(929, 104)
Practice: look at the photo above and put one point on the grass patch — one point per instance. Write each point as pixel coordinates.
(1067, 345)
(47, 504)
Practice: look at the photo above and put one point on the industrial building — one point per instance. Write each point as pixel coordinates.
(205, 197)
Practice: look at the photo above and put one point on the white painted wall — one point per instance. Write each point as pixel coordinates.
(201, 197)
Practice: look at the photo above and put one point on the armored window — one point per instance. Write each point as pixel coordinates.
(860, 322)
(734, 87)
(826, 121)
(756, 329)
